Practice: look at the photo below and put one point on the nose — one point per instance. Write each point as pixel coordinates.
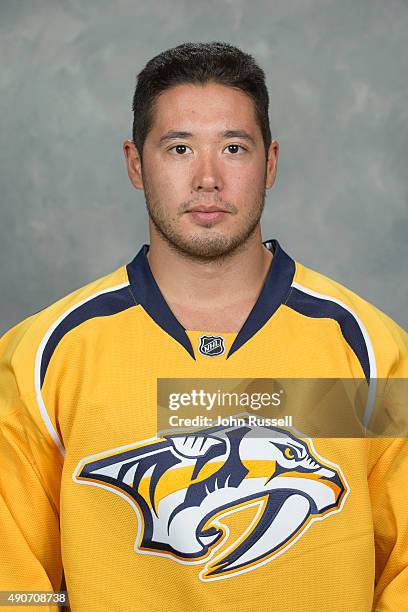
(207, 175)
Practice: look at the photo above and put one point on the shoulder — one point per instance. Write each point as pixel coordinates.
(24, 347)
(315, 294)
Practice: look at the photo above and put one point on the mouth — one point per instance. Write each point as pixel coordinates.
(207, 213)
(282, 518)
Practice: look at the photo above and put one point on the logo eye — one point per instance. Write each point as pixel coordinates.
(288, 452)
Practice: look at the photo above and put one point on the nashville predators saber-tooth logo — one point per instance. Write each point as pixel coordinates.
(188, 491)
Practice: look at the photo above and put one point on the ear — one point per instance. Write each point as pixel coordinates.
(272, 164)
(134, 164)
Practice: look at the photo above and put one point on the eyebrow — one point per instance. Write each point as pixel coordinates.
(174, 134)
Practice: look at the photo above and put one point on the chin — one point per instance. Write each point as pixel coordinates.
(210, 246)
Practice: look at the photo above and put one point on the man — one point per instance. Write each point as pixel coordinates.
(141, 520)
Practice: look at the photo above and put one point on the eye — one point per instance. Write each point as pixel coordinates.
(177, 148)
(288, 452)
(235, 146)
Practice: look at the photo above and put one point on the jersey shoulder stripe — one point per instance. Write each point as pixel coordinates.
(376, 339)
(101, 304)
(34, 339)
(317, 305)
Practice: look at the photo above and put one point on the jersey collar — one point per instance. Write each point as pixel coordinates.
(274, 293)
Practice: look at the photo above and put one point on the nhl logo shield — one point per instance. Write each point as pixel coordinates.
(210, 346)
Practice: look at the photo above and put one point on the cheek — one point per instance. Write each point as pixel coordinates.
(170, 179)
(244, 180)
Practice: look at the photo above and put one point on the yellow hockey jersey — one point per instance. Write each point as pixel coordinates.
(136, 520)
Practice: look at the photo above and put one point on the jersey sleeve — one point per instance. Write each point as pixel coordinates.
(31, 465)
(388, 487)
(388, 483)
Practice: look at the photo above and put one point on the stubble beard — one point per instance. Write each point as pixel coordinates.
(214, 245)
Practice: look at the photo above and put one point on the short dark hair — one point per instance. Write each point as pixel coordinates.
(198, 63)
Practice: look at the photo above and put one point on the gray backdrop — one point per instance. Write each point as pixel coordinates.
(337, 76)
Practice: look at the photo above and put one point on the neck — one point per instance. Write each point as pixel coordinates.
(215, 295)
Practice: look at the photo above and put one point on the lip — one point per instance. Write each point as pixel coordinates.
(207, 209)
(211, 214)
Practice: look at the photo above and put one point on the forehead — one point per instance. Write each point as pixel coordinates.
(201, 107)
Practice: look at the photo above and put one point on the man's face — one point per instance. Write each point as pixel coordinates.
(204, 169)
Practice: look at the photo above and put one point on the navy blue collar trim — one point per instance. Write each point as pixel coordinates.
(274, 292)
(147, 293)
